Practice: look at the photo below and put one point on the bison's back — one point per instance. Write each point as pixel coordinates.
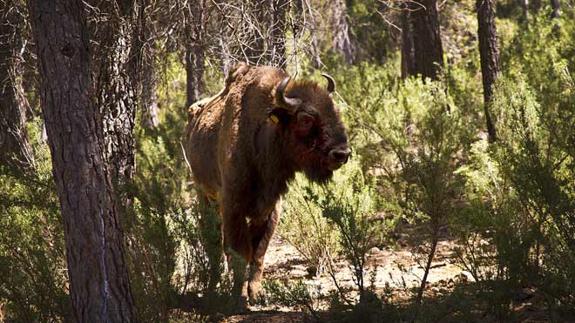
(201, 142)
(221, 131)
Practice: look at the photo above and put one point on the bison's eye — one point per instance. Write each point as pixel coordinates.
(305, 122)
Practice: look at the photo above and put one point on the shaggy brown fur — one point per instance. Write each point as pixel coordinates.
(244, 160)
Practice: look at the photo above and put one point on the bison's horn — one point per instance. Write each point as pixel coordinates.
(291, 102)
(330, 82)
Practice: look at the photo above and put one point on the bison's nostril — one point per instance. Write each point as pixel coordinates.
(340, 155)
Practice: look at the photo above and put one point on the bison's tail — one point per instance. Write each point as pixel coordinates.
(198, 106)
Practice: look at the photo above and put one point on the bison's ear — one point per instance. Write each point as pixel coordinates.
(279, 115)
(290, 104)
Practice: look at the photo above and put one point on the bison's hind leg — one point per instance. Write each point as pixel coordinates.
(261, 234)
(239, 251)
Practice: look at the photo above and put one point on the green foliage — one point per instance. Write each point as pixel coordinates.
(419, 159)
(350, 205)
(33, 276)
(293, 295)
(303, 226)
(537, 160)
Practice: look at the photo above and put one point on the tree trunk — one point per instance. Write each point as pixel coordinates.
(116, 84)
(428, 50)
(407, 55)
(99, 285)
(194, 51)
(342, 43)
(14, 145)
(525, 9)
(142, 62)
(266, 43)
(489, 55)
(556, 6)
(149, 83)
(305, 22)
(277, 43)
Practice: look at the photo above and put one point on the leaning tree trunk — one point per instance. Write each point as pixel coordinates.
(14, 145)
(194, 51)
(342, 43)
(407, 55)
(428, 50)
(99, 285)
(489, 55)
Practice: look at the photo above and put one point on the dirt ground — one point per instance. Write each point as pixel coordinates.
(395, 268)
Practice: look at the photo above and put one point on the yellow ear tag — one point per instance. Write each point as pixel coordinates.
(274, 119)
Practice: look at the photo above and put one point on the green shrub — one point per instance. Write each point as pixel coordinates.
(33, 272)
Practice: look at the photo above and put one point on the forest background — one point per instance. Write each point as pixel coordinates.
(460, 115)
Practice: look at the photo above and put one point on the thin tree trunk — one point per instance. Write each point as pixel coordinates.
(267, 40)
(342, 43)
(149, 97)
(556, 6)
(99, 285)
(142, 64)
(194, 73)
(407, 55)
(14, 145)
(489, 55)
(525, 9)
(430, 256)
(277, 52)
(194, 52)
(303, 22)
(428, 49)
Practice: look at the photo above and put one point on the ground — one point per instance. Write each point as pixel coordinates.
(396, 268)
(399, 270)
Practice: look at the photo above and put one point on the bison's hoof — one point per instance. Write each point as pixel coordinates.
(255, 291)
(241, 304)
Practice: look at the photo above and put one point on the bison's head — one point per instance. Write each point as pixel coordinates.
(315, 136)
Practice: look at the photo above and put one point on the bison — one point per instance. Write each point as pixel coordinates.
(246, 143)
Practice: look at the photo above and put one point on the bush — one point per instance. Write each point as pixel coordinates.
(33, 272)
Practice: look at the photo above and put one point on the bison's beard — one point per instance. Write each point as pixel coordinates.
(318, 172)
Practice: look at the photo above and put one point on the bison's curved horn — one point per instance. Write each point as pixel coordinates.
(330, 82)
(291, 102)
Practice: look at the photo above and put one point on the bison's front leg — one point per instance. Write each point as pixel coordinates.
(261, 234)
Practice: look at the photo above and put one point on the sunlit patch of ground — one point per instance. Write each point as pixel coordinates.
(451, 296)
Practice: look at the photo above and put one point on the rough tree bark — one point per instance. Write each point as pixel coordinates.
(116, 84)
(194, 50)
(342, 43)
(489, 55)
(14, 145)
(428, 49)
(407, 55)
(99, 285)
